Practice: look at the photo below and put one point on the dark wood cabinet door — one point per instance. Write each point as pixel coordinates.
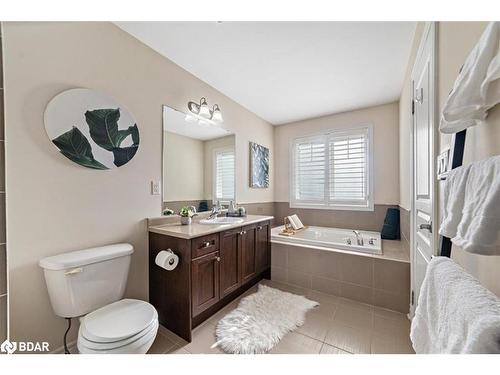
(248, 242)
(205, 282)
(262, 246)
(230, 262)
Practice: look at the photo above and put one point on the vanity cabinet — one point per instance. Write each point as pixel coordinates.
(262, 248)
(205, 282)
(213, 270)
(248, 250)
(230, 262)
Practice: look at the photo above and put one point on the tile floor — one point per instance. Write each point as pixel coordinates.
(337, 326)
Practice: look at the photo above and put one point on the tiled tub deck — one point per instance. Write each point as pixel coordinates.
(380, 280)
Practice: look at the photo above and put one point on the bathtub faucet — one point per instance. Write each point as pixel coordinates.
(359, 239)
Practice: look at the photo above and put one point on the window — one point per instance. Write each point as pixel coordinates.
(333, 170)
(224, 175)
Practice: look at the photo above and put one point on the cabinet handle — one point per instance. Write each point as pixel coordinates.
(207, 244)
(259, 227)
(217, 259)
(243, 232)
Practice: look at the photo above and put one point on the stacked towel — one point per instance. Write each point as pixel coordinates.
(455, 313)
(479, 228)
(453, 201)
(477, 88)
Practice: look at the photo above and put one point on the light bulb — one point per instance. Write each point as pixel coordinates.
(204, 110)
(217, 114)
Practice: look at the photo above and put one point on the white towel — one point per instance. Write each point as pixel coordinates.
(455, 313)
(477, 87)
(453, 200)
(479, 229)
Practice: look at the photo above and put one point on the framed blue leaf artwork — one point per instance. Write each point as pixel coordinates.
(91, 129)
(259, 166)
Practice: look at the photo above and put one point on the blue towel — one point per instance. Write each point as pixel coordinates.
(390, 230)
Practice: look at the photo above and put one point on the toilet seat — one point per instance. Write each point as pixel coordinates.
(118, 321)
(125, 326)
(138, 344)
(151, 330)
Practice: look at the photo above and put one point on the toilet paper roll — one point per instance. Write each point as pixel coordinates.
(167, 259)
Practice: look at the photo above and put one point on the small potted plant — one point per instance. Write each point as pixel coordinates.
(186, 213)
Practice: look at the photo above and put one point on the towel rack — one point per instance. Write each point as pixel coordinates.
(456, 161)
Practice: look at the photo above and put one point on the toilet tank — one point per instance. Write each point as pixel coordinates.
(82, 281)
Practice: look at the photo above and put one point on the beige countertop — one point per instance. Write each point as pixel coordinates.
(195, 229)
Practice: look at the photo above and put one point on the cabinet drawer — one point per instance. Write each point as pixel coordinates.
(204, 245)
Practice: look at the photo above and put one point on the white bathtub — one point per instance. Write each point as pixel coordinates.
(332, 238)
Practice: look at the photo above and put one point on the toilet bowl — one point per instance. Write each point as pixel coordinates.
(90, 284)
(126, 326)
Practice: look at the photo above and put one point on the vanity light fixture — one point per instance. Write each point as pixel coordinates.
(203, 114)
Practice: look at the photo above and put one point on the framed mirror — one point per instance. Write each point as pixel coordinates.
(198, 163)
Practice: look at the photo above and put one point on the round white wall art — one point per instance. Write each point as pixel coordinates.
(91, 129)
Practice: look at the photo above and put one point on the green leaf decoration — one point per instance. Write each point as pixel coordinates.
(76, 147)
(134, 130)
(124, 155)
(103, 126)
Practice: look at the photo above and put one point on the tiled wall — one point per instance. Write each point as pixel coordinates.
(3, 253)
(364, 220)
(381, 282)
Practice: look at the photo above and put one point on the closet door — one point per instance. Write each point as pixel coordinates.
(424, 181)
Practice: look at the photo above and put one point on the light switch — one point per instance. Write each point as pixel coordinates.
(155, 187)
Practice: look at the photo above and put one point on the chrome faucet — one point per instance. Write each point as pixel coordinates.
(216, 209)
(359, 239)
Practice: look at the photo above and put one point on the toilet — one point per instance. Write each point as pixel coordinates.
(90, 284)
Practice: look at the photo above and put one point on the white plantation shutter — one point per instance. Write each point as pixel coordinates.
(224, 175)
(348, 167)
(310, 162)
(332, 170)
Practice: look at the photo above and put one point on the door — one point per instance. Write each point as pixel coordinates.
(424, 152)
(248, 242)
(205, 282)
(262, 251)
(230, 262)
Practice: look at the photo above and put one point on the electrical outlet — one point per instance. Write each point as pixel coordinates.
(155, 187)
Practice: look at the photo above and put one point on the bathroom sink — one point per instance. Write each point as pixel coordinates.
(221, 221)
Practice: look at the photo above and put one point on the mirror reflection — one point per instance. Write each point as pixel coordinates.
(198, 163)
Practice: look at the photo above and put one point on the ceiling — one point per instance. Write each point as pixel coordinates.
(288, 71)
(175, 122)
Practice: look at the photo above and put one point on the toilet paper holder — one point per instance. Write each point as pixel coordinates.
(171, 261)
(167, 259)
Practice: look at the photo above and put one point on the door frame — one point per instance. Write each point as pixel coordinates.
(430, 34)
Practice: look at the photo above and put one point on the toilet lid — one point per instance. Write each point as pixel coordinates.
(118, 321)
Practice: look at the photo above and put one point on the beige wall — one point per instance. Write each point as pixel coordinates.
(384, 119)
(183, 168)
(455, 41)
(55, 205)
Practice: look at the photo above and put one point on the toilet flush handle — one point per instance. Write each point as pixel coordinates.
(73, 271)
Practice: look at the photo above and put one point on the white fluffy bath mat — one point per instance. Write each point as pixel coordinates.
(261, 320)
